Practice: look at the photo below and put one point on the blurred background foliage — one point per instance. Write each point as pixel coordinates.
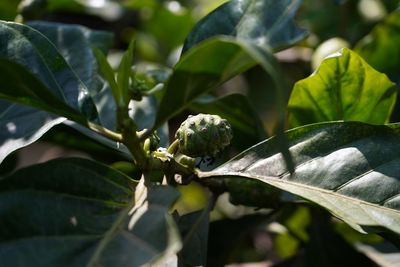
(291, 235)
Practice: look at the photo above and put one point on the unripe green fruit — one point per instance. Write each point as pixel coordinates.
(203, 135)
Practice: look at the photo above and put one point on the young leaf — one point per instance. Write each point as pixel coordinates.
(124, 73)
(263, 22)
(350, 168)
(344, 87)
(108, 74)
(56, 218)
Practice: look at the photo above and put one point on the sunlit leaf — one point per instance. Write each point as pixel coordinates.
(344, 87)
(350, 168)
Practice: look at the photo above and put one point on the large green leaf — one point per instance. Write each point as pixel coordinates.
(264, 22)
(381, 48)
(74, 212)
(27, 47)
(47, 83)
(344, 87)
(75, 44)
(207, 66)
(350, 168)
(22, 125)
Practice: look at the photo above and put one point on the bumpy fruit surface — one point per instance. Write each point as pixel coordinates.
(203, 135)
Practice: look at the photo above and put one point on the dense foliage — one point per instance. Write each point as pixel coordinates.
(309, 90)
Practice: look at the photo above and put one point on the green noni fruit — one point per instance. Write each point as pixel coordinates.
(203, 135)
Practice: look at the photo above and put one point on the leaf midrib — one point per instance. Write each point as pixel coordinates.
(272, 179)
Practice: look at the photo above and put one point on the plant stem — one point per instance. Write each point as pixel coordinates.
(117, 137)
(131, 139)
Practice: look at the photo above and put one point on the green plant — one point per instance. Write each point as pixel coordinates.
(339, 157)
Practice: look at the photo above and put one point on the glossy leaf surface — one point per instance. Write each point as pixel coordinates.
(263, 22)
(27, 47)
(344, 87)
(75, 45)
(51, 216)
(47, 82)
(350, 168)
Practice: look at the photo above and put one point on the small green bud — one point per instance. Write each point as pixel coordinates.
(203, 135)
(151, 143)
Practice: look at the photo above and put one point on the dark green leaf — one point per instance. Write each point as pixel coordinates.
(27, 47)
(19, 85)
(247, 126)
(206, 67)
(344, 87)
(22, 125)
(381, 48)
(264, 22)
(74, 212)
(50, 84)
(75, 44)
(350, 168)
(194, 230)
